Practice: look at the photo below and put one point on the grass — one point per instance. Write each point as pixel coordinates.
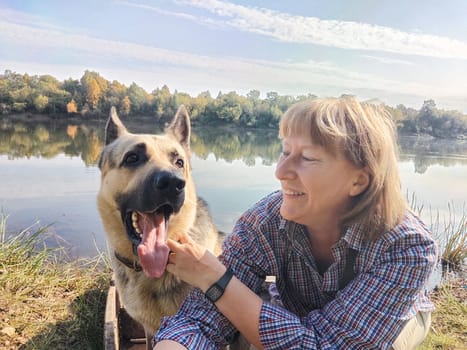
(449, 320)
(50, 302)
(47, 301)
(455, 240)
(449, 232)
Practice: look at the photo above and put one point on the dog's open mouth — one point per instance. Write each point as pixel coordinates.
(148, 233)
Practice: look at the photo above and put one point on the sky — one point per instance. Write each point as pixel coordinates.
(397, 51)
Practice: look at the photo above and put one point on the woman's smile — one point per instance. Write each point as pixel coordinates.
(292, 193)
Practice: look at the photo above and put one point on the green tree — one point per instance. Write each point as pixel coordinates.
(229, 107)
(47, 85)
(140, 99)
(426, 117)
(116, 94)
(253, 95)
(74, 88)
(162, 102)
(41, 102)
(199, 103)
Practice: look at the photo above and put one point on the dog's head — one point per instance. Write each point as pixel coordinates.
(145, 184)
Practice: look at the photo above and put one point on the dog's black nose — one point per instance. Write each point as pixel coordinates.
(166, 181)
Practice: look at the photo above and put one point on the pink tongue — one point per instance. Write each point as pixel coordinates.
(153, 251)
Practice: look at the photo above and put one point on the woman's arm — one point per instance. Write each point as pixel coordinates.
(169, 345)
(189, 261)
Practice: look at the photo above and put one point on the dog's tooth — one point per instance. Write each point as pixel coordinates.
(134, 220)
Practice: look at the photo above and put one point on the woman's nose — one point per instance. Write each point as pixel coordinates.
(284, 168)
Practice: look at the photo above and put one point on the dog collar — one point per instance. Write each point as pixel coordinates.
(132, 264)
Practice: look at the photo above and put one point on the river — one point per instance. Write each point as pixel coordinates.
(49, 175)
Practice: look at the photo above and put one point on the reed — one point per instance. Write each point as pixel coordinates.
(450, 233)
(454, 240)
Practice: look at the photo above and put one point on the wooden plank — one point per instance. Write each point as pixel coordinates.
(111, 336)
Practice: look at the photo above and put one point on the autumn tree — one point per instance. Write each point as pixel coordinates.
(71, 107)
(93, 94)
(125, 106)
(94, 88)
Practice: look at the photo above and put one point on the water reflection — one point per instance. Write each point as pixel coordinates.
(43, 178)
(427, 151)
(47, 138)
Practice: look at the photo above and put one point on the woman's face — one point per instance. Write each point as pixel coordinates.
(317, 186)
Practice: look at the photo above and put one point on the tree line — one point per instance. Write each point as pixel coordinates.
(93, 95)
(85, 137)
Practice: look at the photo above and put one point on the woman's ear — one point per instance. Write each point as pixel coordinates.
(360, 183)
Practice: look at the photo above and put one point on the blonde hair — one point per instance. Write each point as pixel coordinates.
(366, 136)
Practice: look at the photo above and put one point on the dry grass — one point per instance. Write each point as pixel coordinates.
(449, 321)
(46, 302)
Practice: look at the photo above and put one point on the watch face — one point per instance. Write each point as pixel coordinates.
(214, 293)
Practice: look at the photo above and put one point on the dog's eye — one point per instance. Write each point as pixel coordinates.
(180, 163)
(131, 158)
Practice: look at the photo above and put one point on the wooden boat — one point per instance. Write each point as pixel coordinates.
(121, 332)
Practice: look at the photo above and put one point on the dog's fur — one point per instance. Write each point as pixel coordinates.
(147, 173)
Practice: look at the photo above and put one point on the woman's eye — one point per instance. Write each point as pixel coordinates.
(308, 158)
(180, 163)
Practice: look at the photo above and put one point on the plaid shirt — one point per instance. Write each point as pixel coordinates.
(369, 313)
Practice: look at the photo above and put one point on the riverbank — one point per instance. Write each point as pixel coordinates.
(449, 321)
(49, 302)
(46, 300)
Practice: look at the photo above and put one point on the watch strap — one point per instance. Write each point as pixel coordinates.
(214, 292)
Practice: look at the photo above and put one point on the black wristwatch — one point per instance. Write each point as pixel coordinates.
(217, 289)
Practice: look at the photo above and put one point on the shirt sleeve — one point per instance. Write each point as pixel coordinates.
(198, 324)
(368, 314)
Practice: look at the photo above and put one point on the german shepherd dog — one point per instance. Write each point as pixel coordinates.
(147, 195)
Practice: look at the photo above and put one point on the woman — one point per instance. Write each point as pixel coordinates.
(349, 259)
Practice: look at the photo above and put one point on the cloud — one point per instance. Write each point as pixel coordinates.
(387, 60)
(290, 76)
(147, 65)
(159, 10)
(332, 33)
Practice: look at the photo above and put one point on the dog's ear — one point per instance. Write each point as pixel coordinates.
(180, 126)
(114, 127)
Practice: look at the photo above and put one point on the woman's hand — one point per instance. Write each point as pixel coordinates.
(193, 263)
(197, 266)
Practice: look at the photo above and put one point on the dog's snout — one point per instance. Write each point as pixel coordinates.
(166, 181)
